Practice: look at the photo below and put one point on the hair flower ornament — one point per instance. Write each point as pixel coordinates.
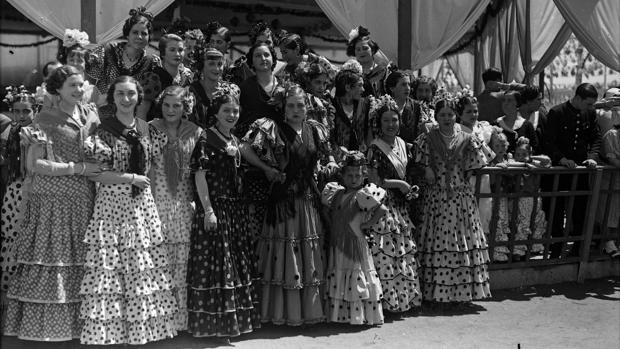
(74, 37)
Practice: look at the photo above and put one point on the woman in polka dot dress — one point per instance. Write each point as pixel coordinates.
(223, 294)
(43, 297)
(393, 252)
(452, 247)
(173, 188)
(127, 285)
(22, 112)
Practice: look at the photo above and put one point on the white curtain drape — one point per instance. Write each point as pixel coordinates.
(436, 25)
(596, 25)
(57, 15)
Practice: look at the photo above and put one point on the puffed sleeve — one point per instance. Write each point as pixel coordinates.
(329, 192)
(265, 140)
(34, 135)
(200, 156)
(611, 144)
(97, 149)
(475, 157)
(96, 63)
(321, 133)
(422, 153)
(370, 196)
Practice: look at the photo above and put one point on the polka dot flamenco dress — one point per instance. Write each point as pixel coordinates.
(127, 286)
(43, 297)
(223, 285)
(452, 246)
(175, 207)
(394, 248)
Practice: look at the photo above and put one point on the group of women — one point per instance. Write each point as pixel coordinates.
(266, 202)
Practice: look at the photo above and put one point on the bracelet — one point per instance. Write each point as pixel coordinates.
(71, 168)
(83, 169)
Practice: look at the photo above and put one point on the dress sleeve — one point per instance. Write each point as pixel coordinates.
(200, 155)
(96, 62)
(611, 145)
(97, 149)
(158, 144)
(265, 140)
(475, 157)
(329, 192)
(35, 136)
(370, 196)
(321, 133)
(421, 150)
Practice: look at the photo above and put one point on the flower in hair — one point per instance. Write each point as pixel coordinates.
(353, 65)
(358, 32)
(353, 158)
(15, 94)
(141, 11)
(226, 89)
(75, 37)
(383, 102)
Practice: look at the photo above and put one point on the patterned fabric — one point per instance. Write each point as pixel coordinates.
(106, 64)
(43, 297)
(452, 246)
(175, 209)
(351, 132)
(353, 286)
(127, 285)
(223, 295)
(10, 229)
(394, 248)
(525, 209)
(203, 114)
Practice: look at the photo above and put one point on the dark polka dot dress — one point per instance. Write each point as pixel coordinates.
(394, 249)
(43, 296)
(175, 207)
(127, 285)
(222, 278)
(452, 247)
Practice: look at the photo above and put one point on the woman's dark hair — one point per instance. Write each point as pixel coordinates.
(343, 79)
(309, 72)
(292, 42)
(219, 29)
(443, 103)
(529, 93)
(122, 79)
(58, 77)
(423, 80)
(362, 35)
(220, 99)
(492, 74)
(258, 29)
(463, 102)
(392, 80)
(138, 15)
(586, 90)
(203, 53)
(516, 95)
(250, 55)
(47, 66)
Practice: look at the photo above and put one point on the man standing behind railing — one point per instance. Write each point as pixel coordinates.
(572, 139)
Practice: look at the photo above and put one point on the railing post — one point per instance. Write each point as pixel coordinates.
(589, 225)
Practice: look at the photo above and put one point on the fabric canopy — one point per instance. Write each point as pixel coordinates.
(57, 15)
(436, 25)
(596, 25)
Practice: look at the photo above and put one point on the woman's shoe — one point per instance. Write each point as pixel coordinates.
(611, 250)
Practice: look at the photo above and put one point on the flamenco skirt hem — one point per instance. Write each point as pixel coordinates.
(119, 331)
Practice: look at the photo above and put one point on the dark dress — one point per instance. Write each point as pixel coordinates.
(526, 130)
(256, 103)
(290, 249)
(351, 133)
(222, 293)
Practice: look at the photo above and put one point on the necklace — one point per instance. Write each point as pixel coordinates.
(446, 136)
(220, 133)
(129, 59)
(232, 148)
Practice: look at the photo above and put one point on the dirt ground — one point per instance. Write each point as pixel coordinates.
(567, 315)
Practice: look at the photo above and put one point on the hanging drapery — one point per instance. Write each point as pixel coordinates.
(436, 25)
(57, 15)
(463, 65)
(597, 27)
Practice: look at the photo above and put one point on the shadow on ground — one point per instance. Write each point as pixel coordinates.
(600, 288)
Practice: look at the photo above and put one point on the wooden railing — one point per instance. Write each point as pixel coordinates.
(576, 189)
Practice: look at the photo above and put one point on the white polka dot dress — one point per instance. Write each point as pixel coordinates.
(452, 247)
(127, 286)
(175, 208)
(10, 226)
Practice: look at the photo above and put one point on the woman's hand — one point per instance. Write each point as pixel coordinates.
(141, 181)
(210, 220)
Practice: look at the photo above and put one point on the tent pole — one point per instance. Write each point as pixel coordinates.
(89, 18)
(404, 34)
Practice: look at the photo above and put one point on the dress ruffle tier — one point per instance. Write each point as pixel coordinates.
(127, 287)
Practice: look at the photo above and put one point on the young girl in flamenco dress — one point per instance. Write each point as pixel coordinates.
(452, 246)
(353, 286)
